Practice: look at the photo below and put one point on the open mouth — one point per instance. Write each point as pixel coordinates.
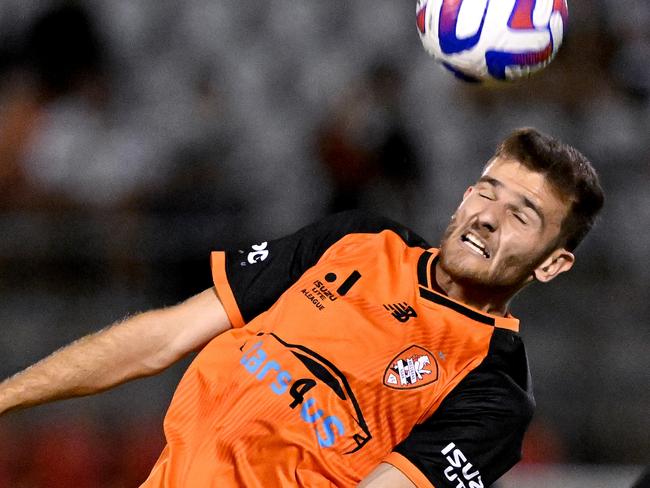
(475, 244)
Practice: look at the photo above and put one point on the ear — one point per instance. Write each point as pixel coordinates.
(469, 190)
(558, 262)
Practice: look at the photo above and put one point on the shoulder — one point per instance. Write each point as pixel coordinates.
(501, 384)
(477, 431)
(336, 226)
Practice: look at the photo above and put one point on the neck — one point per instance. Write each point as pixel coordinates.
(490, 300)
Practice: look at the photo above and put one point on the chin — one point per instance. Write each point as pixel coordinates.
(475, 272)
(468, 277)
(463, 268)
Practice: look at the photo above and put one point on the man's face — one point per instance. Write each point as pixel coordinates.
(504, 229)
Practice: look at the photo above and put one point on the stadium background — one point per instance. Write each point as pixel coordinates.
(136, 136)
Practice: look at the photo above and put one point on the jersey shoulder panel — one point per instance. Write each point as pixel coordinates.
(331, 229)
(477, 431)
(252, 279)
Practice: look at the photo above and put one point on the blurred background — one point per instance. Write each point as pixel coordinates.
(136, 136)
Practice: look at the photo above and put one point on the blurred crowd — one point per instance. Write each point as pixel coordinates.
(136, 136)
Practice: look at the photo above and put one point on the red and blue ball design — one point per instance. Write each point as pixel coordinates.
(492, 39)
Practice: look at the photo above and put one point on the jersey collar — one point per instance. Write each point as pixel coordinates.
(426, 279)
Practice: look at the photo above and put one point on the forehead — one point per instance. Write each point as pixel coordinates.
(521, 182)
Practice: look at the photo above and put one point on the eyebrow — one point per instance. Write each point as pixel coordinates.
(526, 201)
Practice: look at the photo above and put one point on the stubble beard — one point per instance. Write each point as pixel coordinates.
(508, 276)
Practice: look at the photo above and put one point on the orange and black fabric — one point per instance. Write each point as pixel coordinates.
(343, 355)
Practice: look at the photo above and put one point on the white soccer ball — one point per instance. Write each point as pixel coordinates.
(492, 39)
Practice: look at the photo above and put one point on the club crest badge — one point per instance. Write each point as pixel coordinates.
(412, 368)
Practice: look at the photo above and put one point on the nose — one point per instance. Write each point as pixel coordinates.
(488, 217)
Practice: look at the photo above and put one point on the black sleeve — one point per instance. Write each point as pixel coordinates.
(476, 434)
(259, 274)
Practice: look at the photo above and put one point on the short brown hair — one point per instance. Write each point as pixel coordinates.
(568, 170)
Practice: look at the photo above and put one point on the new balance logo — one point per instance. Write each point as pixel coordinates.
(401, 311)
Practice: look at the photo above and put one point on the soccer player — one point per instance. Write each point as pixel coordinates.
(352, 352)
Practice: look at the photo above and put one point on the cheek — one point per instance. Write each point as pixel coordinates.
(518, 245)
(466, 209)
(522, 252)
(469, 203)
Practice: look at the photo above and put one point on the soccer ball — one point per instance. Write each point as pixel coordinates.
(480, 40)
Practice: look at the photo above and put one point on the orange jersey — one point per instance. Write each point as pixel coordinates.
(342, 356)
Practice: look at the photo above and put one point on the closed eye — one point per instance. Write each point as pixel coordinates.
(520, 218)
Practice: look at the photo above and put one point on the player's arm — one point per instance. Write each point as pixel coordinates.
(139, 346)
(386, 476)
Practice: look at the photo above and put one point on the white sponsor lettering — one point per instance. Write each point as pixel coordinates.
(259, 253)
(468, 477)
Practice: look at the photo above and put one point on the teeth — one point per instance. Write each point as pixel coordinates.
(475, 242)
